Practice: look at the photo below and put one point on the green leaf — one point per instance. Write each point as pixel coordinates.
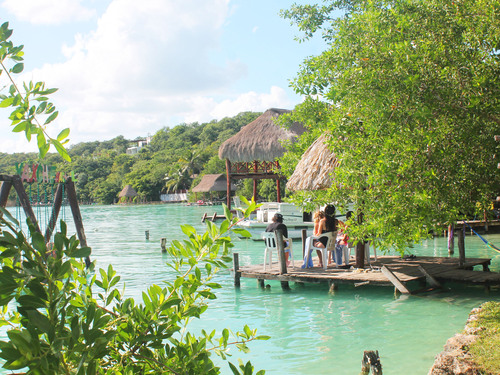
(39, 242)
(51, 118)
(21, 127)
(60, 149)
(18, 68)
(63, 134)
(242, 232)
(6, 102)
(40, 139)
(82, 252)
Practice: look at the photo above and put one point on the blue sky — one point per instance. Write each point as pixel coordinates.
(128, 67)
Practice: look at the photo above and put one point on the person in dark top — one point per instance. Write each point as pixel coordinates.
(278, 224)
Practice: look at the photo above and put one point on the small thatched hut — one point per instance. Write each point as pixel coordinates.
(315, 169)
(128, 192)
(212, 182)
(252, 152)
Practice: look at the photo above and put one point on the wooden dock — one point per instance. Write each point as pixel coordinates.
(385, 271)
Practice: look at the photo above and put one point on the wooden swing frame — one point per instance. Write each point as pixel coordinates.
(16, 182)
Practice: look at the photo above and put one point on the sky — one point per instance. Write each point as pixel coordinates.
(131, 68)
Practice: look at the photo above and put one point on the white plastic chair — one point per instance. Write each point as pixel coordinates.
(330, 246)
(270, 242)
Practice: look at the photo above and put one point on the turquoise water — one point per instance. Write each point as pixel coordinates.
(312, 331)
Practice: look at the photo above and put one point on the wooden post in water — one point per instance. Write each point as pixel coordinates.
(228, 184)
(304, 237)
(451, 239)
(360, 248)
(371, 361)
(236, 267)
(163, 245)
(147, 234)
(281, 257)
(461, 247)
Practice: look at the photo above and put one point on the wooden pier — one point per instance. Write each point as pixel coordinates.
(385, 271)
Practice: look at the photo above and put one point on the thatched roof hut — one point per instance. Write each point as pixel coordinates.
(212, 182)
(315, 169)
(260, 139)
(128, 191)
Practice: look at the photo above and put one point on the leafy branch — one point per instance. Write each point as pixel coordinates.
(25, 116)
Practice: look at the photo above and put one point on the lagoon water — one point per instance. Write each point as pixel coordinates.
(312, 331)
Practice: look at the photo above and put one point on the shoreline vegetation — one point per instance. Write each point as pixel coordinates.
(474, 351)
(172, 159)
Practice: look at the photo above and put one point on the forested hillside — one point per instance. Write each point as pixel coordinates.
(167, 164)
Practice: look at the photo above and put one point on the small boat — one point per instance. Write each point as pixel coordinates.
(293, 218)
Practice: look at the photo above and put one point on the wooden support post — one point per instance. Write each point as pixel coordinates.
(278, 190)
(281, 250)
(394, 280)
(261, 283)
(430, 279)
(56, 207)
(254, 192)
(451, 239)
(4, 193)
(461, 247)
(281, 257)
(146, 233)
(485, 221)
(360, 248)
(24, 200)
(304, 237)
(236, 268)
(228, 184)
(360, 254)
(332, 287)
(163, 245)
(77, 217)
(371, 361)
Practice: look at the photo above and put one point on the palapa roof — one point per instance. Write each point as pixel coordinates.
(260, 139)
(315, 168)
(127, 191)
(212, 182)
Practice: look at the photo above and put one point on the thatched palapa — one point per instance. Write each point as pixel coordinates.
(260, 139)
(315, 169)
(128, 191)
(212, 182)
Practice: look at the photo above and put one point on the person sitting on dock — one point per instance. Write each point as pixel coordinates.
(278, 224)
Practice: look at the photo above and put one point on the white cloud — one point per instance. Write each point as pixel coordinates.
(148, 65)
(48, 12)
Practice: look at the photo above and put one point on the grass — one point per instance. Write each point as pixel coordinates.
(486, 349)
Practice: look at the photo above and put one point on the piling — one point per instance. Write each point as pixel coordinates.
(451, 239)
(461, 247)
(147, 235)
(236, 267)
(281, 257)
(163, 244)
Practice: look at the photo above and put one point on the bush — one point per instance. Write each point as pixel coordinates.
(69, 319)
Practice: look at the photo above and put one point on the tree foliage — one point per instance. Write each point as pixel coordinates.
(32, 110)
(409, 91)
(68, 319)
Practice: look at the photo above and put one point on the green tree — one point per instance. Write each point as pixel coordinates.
(409, 92)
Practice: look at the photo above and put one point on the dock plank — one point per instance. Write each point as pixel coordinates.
(406, 270)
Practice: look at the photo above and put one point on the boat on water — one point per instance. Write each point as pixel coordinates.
(293, 218)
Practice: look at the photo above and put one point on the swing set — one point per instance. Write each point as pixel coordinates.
(42, 199)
